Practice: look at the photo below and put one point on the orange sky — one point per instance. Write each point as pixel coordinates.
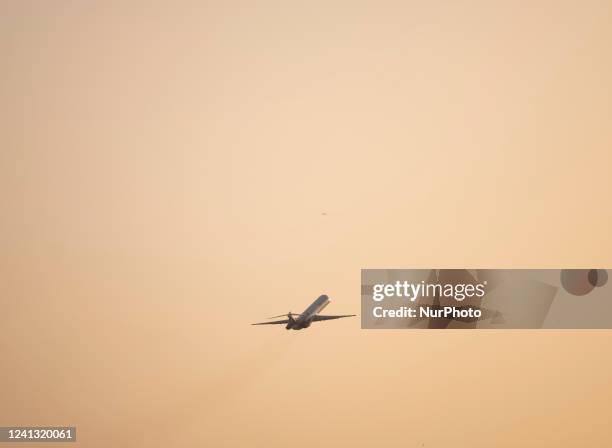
(164, 171)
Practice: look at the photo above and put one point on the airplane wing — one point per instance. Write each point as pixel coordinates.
(277, 322)
(316, 318)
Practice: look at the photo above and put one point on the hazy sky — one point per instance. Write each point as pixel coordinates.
(164, 170)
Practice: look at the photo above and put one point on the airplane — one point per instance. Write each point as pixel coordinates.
(304, 319)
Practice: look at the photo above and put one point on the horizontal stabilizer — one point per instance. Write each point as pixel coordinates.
(284, 315)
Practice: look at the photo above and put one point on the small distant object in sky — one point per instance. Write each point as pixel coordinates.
(324, 214)
(310, 315)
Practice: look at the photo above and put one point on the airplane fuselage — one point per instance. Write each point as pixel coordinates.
(305, 318)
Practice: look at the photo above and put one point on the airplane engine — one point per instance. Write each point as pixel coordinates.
(291, 322)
